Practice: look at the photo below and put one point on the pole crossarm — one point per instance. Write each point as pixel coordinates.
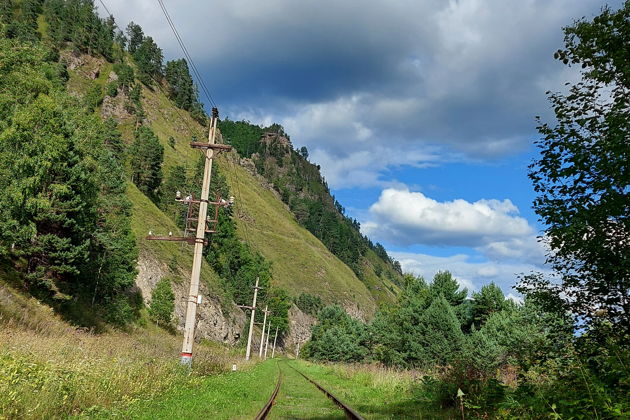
(190, 240)
(215, 146)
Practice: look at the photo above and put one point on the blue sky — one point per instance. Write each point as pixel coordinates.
(421, 113)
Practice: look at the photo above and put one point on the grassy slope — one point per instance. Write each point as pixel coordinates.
(301, 263)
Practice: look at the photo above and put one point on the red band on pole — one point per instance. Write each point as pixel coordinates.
(183, 354)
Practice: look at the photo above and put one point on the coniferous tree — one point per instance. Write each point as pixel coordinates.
(135, 35)
(64, 216)
(445, 285)
(438, 338)
(488, 301)
(148, 57)
(147, 155)
(181, 87)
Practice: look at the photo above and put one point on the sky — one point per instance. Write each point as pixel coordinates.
(421, 113)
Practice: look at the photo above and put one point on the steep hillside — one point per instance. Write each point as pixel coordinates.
(149, 113)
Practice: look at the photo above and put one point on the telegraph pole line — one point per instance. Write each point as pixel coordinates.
(275, 337)
(251, 322)
(262, 337)
(199, 240)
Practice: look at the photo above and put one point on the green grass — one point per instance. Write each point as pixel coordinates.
(231, 395)
(299, 399)
(374, 392)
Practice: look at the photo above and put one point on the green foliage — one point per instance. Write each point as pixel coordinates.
(445, 285)
(181, 87)
(77, 21)
(162, 302)
(135, 35)
(432, 337)
(23, 24)
(65, 220)
(337, 337)
(148, 58)
(147, 156)
(243, 136)
(582, 177)
(488, 301)
(309, 304)
(279, 303)
(126, 76)
(113, 140)
(93, 98)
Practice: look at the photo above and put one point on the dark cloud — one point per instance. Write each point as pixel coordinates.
(465, 76)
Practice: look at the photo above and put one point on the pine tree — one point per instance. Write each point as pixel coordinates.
(148, 57)
(147, 155)
(488, 301)
(135, 36)
(445, 285)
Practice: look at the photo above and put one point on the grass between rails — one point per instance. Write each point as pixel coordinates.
(299, 399)
(374, 392)
(230, 395)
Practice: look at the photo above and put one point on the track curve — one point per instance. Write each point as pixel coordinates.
(264, 412)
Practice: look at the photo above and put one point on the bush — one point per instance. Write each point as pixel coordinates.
(162, 303)
(309, 304)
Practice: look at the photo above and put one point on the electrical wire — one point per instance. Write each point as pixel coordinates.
(106, 9)
(187, 55)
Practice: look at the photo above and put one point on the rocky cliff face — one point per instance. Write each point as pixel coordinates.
(212, 323)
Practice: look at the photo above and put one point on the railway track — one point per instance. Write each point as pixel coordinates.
(264, 412)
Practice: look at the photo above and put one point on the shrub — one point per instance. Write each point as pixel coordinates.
(162, 303)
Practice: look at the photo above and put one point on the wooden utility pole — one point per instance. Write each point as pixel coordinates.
(262, 337)
(199, 240)
(275, 337)
(267, 341)
(191, 309)
(251, 323)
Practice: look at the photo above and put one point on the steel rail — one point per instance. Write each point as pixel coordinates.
(264, 412)
(350, 413)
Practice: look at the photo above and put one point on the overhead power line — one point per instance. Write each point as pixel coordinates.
(106, 9)
(181, 43)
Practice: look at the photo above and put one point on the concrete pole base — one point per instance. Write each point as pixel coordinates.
(186, 359)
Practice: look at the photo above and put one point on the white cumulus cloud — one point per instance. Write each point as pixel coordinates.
(404, 217)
